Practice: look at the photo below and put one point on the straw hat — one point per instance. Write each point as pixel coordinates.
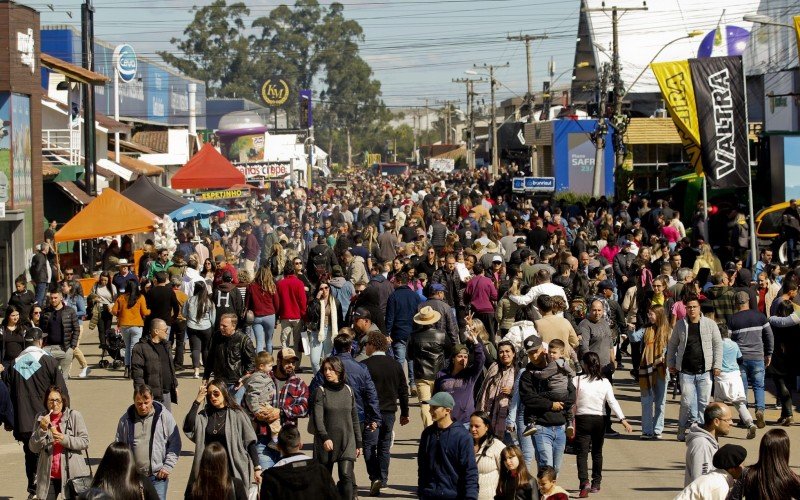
(427, 316)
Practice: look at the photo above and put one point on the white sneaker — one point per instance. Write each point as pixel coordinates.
(84, 372)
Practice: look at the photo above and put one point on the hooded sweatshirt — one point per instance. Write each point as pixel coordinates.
(32, 373)
(700, 448)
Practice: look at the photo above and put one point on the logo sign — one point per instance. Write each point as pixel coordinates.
(221, 195)
(275, 92)
(543, 184)
(518, 184)
(125, 62)
(263, 170)
(25, 46)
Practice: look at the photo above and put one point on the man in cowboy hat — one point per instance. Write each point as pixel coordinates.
(428, 348)
(123, 276)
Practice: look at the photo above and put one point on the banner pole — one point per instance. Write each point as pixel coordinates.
(705, 209)
(753, 244)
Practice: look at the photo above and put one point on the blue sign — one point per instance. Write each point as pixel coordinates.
(546, 184)
(518, 184)
(158, 98)
(125, 62)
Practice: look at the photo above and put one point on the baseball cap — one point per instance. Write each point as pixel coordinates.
(219, 258)
(438, 287)
(287, 353)
(605, 284)
(522, 240)
(497, 258)
(33, 335)
(442, 400)
(532, 343)
(361, 313)
(742, 297)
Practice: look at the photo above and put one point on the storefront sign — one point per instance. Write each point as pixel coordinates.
(275, 92)
(221, 195)
(518, 184)
(126, 63)
(543, 184)
(26, 46)
(263, 170)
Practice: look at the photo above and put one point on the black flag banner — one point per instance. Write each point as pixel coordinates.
(722, 116)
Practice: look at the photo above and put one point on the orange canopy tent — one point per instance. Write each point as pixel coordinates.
(207, 169)
(108, 215)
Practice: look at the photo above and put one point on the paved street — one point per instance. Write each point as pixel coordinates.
(633, 468)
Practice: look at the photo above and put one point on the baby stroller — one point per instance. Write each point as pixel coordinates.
(113, 346)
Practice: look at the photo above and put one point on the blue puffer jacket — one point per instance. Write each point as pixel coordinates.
(447, 467)
(359, 379)
(400, 311)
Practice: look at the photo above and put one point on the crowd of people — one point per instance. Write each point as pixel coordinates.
(509, 320)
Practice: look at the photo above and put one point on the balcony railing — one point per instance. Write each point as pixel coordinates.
(62, 145)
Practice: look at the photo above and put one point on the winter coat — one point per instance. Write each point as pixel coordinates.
(700, 449)
(238, 434)
(538, 406)
(400, 310)
(298, 477)
(488, 460)
(69, 326)
(712, 486)
(429, 349)
(446, 464)
(76, 439)
(165, 439)
(356, 272)
(146, 369)
(343, 291)
(711, 342)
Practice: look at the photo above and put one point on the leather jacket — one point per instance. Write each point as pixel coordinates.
(429, 349)
(230, 358)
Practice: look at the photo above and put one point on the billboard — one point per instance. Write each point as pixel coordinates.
(21, 154)
(581, 164)
(158, 95)
(5, 147)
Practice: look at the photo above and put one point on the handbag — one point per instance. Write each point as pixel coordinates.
(77, 486)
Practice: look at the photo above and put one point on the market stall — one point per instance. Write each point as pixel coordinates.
(208, 169)
(155, 198)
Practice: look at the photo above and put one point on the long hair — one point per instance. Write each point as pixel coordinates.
(9, 311)
(520, 477)
(660, 329)
(213, 480)
(487, 438)
(771, 478)
(109, 285)
(591, 364)
(201, 296)
(116, 474)
(132, 291)
(220, 384)
(265, 279)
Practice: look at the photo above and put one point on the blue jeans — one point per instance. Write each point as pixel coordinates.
(376, 448)
(266, 457)
(525, 442)
(319, 350)
(263, 328)
(653, 402)
(753, 370)
(160, 485)
(399, 348)
(695, 393)
(131, 335)
(41, 291)
(238, 394)
(549, 443)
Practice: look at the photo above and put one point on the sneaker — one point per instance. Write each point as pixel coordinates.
(751, 431)
(584, 491)
(610, 432)
(85, 372)
(787, 421)
(646, 437)
(657, 436)
(595, 488)
(530, 430)
(760, 419)
(375, 488)
(681, 434)
(570, 432)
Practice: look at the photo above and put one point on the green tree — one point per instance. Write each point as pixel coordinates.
(216, 49)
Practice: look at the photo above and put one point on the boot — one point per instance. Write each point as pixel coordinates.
(127, 373)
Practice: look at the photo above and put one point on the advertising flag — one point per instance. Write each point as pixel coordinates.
(675, 81)
(797, 31)
(722, 117)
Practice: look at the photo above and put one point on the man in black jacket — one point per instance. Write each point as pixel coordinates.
(41, 272)
(390, 383)
(61, 329)
(550, 438)
(296, 476)
(429, 348)
(162, 302)
(227, 299)
(151, 364)
(28, 379)
(231, 356)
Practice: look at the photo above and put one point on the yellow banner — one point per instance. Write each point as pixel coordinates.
(797, 31)
(675, 80)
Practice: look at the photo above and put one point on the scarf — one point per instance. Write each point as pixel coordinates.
(652, 366)
(325, 309)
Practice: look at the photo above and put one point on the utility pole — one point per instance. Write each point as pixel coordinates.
(495, 156)
(599, 134)
(89, 134)
(529, 96)
(618, 120)
(470, 83)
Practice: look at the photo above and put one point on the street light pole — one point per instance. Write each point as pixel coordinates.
(600, 133)
(529, 96)
(470, 83)
(492, 83)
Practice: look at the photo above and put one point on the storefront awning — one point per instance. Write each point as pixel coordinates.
(124, 173)
(74, 192)
(138, 166)
(72, 71)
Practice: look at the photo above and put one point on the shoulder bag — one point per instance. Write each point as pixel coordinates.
(77, 486)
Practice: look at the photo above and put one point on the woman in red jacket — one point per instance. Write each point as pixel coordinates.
(261, 297)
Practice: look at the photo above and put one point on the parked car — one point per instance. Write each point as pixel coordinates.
(768, 230)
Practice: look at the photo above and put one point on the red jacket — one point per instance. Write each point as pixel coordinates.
(291, 295)
(260, 301)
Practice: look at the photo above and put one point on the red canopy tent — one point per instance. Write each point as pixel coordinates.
(208, 169)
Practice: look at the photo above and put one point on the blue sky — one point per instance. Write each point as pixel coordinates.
(415, 47)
